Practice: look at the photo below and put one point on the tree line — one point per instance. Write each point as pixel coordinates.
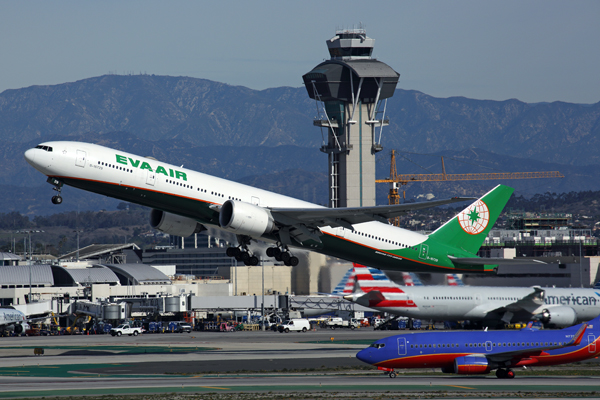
(87, 220)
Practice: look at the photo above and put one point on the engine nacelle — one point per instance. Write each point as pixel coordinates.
(245, 218)
(16, 328)
(174, 224)
(561, 316)
(471, 365)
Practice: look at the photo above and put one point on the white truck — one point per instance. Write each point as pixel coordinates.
(342, 323)
(126, 329)
(294, 325)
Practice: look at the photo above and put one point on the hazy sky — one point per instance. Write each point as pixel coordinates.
(498, 49)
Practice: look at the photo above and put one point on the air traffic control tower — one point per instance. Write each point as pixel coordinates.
(351, 90)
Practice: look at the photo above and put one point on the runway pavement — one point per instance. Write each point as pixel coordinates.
(230, 362)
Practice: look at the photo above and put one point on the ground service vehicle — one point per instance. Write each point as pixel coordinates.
(294, 325)
(125, 329)
(342, 323)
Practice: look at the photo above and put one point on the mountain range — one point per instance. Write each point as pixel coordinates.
(266, 138)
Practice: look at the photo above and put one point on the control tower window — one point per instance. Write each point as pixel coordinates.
(351, 52)
(335, 110)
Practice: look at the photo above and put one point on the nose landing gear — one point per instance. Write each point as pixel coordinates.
(57, 199)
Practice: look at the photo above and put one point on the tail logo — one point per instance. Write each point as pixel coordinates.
(475, 218)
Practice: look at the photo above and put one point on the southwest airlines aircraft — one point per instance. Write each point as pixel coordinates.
(185, 202)
(558, 307)
(479, 352)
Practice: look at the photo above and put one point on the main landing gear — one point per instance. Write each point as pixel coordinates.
(502, 373)
(57, 199)
(243, 255)
(283, 255)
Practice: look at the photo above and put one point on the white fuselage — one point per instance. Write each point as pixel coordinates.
(477, 303)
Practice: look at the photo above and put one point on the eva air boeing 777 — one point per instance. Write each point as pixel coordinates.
(185, 202)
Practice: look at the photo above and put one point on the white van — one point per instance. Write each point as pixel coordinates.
(296, 324)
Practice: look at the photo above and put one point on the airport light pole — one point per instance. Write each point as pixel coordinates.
(30, 258)
(78, 231)
(262, 306)
(580, 264)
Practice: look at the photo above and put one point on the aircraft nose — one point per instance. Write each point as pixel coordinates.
(30, 156)
(364, 356)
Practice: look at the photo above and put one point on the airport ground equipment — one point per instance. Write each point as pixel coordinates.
(126, 329)
(351, 91)
(294, 325)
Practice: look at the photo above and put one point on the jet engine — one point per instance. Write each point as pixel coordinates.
(471, 365)
(558, 316)
(245, 218)
(174, 224)
(16, 328)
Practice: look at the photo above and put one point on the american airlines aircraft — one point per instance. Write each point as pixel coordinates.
(558, 307)
(12, 320)
(186, 202)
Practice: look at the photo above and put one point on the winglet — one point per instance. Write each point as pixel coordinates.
(578, 336)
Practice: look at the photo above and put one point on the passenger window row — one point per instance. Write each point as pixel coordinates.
(452, 298)
(185, 185)
(503, 344)
(115, 167)
(384, 240)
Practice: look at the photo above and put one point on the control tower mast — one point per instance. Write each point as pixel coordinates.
(351, 90)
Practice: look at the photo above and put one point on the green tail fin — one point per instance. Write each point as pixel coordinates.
(470, 227)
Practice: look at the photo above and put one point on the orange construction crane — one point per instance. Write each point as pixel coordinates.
(396, 180)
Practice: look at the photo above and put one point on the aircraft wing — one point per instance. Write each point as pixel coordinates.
(368, 299)
(491, 261)
(347, 216)
(511, 355)
(529, 303)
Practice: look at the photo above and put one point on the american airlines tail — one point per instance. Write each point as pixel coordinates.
(454, 280)
(470, 227)
(346, 285)
(411, 279)
(373, 288)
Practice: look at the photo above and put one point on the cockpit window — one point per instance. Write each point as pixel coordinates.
(378, 345)
(46, 148)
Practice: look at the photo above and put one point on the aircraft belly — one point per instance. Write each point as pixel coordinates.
(189, 207)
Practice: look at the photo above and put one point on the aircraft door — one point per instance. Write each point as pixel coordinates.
(255, 201)
(424, 251)
(402, 346)
(591, 343)
(151, 178)
(488, 346)
(80, 158)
